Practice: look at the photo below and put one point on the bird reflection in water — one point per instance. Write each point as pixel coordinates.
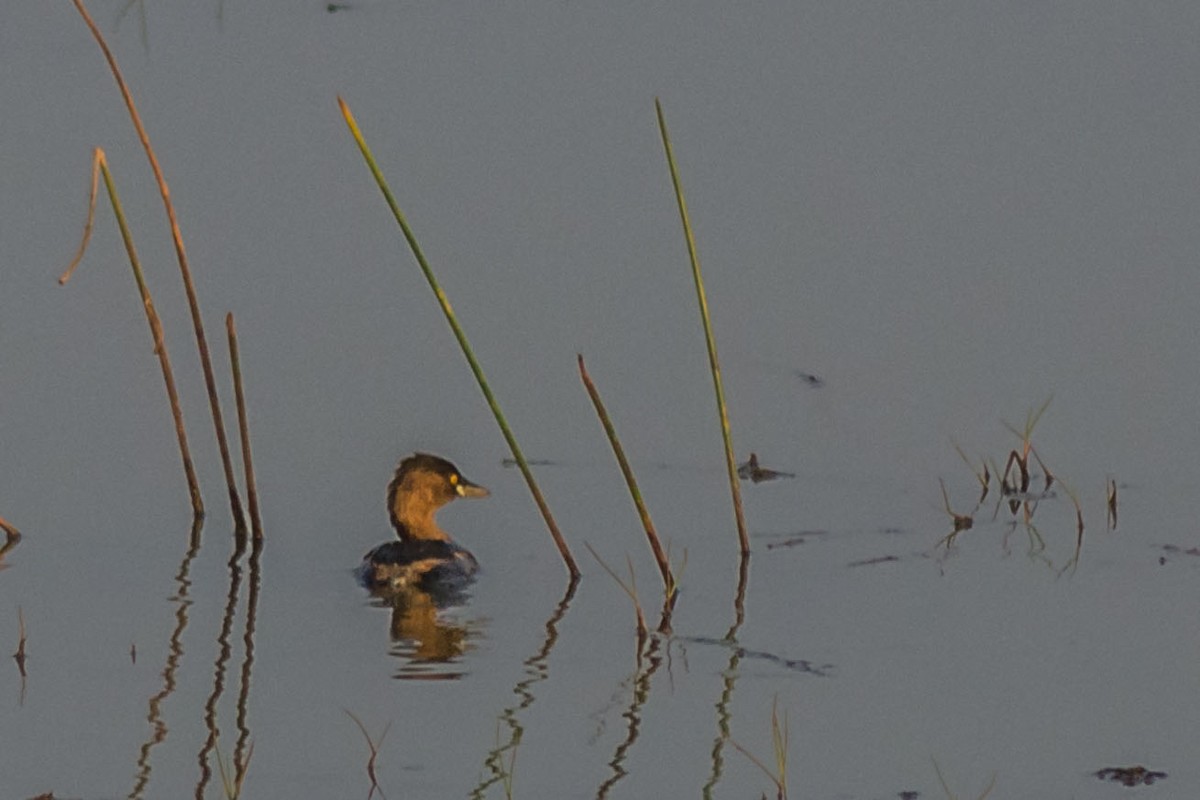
(429, 641)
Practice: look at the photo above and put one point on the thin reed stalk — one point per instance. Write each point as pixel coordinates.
(243, 427)
(660, 555)
(233, 778)
(779, 747)
(730, 462)
(461, 336)
(210, 381)
(100, 167)
(629, 589)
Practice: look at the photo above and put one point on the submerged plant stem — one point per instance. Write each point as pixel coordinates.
(714, 365)
(461, 336)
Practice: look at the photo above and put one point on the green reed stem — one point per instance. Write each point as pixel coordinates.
(664, 565)
(100, 167)
(210, 381)
(730, 463)
(243, 427)
(561, 543)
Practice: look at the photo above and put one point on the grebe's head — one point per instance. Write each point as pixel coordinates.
(423, 483)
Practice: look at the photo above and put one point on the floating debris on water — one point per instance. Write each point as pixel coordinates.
(795, 664)
(751, 471)
(1176, 550)
(1130, 776)
(814, 381)
(867, 562)
(793, 539)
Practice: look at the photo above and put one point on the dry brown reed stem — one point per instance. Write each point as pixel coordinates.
(10, 532)
(210, 380)
(100, 167)
(660, 555)
(713, 363)
(243, 427)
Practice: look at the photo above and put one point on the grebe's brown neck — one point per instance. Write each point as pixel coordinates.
(412, 504)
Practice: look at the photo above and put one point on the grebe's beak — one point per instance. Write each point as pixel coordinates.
(466, 488)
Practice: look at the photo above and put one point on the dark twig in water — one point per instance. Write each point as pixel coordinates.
(533, 462)
(1112, 504)
(870, 562)
(962, 522)
(210, 381)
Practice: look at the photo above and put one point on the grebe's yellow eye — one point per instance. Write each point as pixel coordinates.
(454, 479)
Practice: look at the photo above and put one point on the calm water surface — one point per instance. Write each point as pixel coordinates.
(947, 217)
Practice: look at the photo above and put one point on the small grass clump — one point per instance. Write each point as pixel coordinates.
(779, 747)
(1014, 484)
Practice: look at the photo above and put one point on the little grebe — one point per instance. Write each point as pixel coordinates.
(424, 557)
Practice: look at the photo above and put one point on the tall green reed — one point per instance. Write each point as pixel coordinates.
(461, 336)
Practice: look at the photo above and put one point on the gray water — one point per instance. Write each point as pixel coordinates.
(948, 214)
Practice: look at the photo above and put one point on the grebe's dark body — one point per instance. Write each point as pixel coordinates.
(424, 556)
